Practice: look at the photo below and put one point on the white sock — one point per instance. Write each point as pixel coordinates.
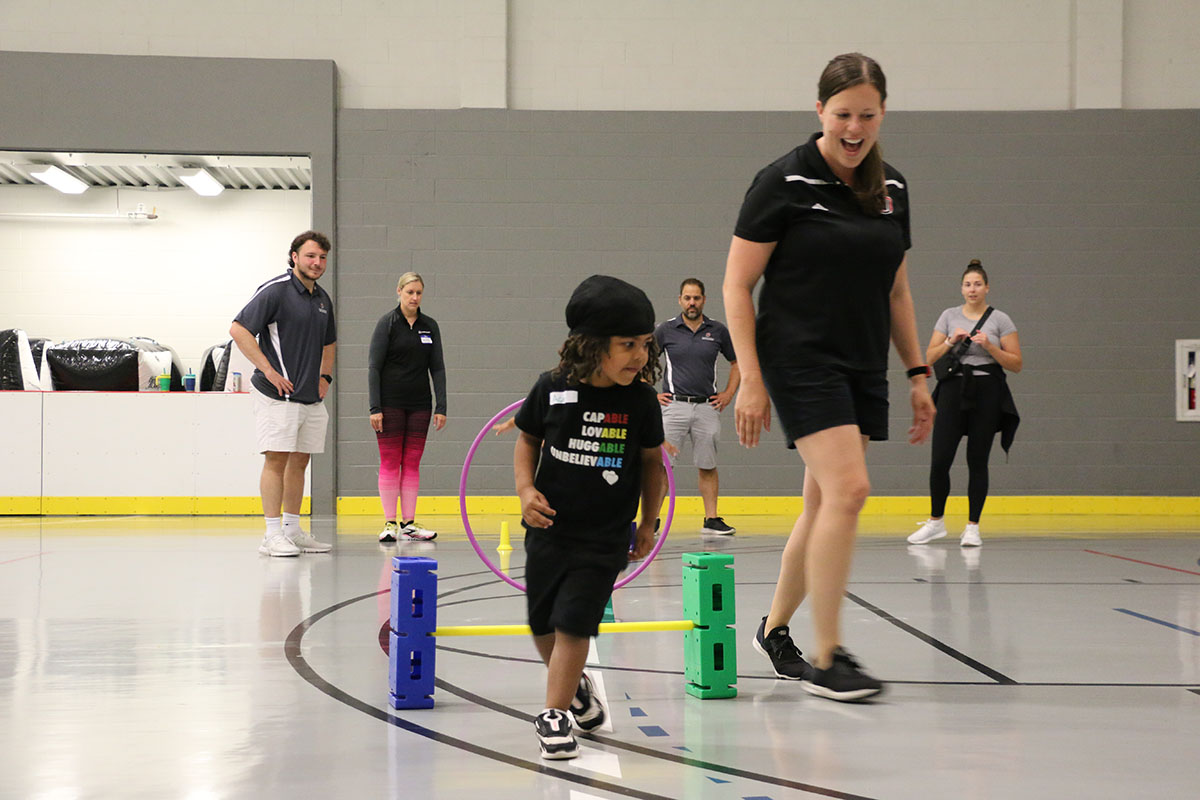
(291, 522)
(274, 526)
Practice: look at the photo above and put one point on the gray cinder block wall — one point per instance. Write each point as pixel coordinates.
(1087, 222)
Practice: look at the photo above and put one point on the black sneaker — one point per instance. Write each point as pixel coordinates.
(553, 728)
(844, 680)
(782, 651)
(586, 707)
(717, 525)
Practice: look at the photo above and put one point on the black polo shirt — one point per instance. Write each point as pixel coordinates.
(690, 363)
(292, 326)
(400, 361)
(825, 296)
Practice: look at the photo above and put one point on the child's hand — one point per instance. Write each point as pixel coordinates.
(504, 427)
(535, 509)
(643, 541)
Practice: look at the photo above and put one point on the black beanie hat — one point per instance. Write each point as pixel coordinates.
(606, 306)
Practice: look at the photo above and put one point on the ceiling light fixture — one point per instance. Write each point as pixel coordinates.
(60, 179)
(201, 182)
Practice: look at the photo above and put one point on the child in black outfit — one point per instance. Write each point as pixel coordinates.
(590, 432)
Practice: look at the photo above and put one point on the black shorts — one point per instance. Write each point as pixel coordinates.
(811, 399)
(568, 585)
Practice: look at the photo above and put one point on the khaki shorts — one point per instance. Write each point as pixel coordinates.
(698, 423)
(283, 427)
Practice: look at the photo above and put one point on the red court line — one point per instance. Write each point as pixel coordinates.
(21, 558)
(1147, 563)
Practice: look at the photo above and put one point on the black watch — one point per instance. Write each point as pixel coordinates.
(328, 378)
(922, 371)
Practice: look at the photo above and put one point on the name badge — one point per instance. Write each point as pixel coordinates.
(564, 398)
(426, 339)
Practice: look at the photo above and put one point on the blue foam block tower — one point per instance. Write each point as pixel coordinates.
(411, 643)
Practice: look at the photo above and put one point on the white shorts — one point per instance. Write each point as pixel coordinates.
(699, 422)
(283, 427)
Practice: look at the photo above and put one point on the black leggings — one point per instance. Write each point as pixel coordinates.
(979, 425)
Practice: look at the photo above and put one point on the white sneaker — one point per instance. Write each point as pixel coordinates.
(278, 545)
(970, 536)
(931, 529)
(307, 544)
(414, 532)
(390, 532)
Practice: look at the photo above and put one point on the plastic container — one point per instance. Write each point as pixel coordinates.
(164, 383)
(189, 382)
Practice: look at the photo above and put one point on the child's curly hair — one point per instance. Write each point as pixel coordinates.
(579, 358)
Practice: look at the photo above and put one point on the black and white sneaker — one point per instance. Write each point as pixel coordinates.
(844, 680)
(785, 657)
(717, 525)
(587, 709)
(554, 735)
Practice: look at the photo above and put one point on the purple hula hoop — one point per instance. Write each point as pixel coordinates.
(462, 507)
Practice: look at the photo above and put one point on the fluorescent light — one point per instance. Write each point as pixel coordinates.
(201, 182)
(64, 181)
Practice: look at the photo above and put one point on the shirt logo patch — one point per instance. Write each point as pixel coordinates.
(819, 207)
(609, 476)
(564, 398)
(888, 206)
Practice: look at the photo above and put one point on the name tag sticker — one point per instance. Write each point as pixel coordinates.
(426, 339)
(563, 398)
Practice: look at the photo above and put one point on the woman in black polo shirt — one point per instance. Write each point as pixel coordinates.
(405, 352)
(826, 228)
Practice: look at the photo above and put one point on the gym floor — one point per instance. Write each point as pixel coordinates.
(163, 657)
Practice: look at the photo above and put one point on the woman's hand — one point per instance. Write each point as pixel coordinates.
(377, 422)
(981, 339)
(923, 413)
(752, 411)
(439, 421)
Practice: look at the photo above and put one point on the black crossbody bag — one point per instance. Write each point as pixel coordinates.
(950, 360)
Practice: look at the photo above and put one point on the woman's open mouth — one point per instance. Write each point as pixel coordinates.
(852, 146)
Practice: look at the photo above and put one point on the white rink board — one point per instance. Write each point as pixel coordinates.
(20, 444)
(148, 444)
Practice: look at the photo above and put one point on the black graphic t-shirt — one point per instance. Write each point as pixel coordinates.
(590, 468)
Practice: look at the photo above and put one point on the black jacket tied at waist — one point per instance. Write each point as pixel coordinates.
(963, 380)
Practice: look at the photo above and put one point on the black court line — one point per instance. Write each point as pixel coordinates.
(937, 644)
(293, 651)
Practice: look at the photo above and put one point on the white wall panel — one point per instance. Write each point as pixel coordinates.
(20, 444)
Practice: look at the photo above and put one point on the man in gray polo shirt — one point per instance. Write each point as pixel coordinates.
(691, 404)
(288, 333)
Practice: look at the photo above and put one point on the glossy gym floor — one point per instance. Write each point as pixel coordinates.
(164, 658)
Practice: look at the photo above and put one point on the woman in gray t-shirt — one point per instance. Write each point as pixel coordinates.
(974, 402)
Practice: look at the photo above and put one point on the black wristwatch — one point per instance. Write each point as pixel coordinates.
(922, 371)
(328, 378)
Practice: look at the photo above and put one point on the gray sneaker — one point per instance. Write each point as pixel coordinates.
(307, 544)
(278, 545)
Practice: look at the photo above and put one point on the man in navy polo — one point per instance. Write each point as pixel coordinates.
(288, 333)
(691, 404)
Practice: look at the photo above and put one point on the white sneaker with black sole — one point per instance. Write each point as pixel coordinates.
(389, 533)
(553, 728)
(930, 529)
(414, 532)
(586, 708)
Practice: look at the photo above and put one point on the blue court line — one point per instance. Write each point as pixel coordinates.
(1159, 621)
(652, 730)
(634, 711)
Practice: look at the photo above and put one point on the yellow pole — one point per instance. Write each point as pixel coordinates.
(605, 627)
(505, 544)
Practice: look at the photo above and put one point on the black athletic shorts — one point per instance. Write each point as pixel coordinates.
(811, 399)
(568, 583)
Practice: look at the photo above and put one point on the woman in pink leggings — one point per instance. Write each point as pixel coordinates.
(405, 353)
